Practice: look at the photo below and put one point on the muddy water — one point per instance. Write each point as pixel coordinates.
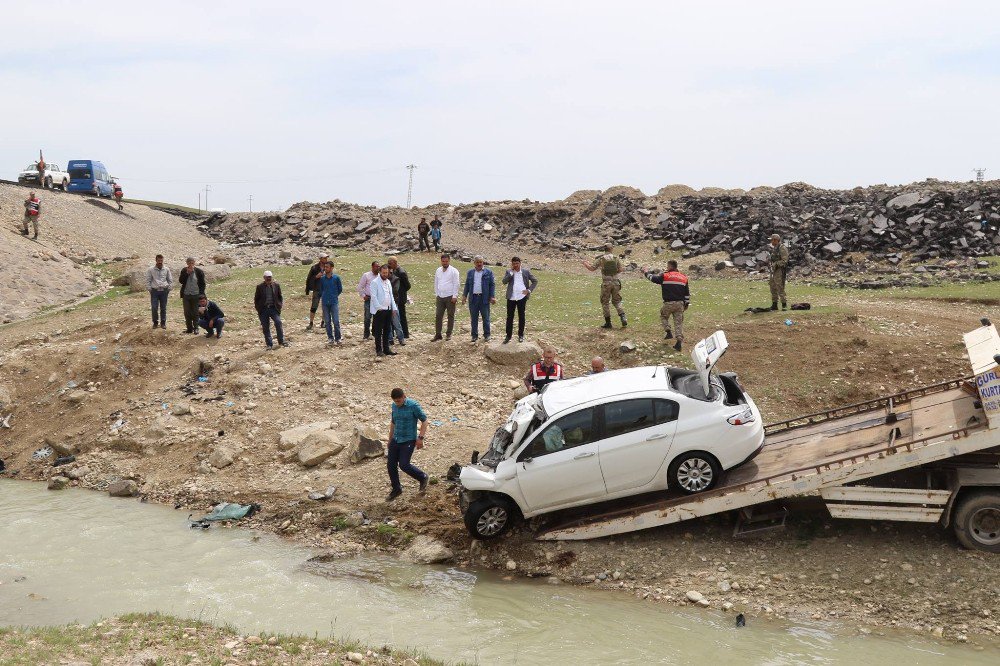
(84, 556)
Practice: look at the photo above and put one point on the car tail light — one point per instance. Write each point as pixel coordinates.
(744, 417)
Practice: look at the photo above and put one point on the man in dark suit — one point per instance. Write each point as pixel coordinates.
(267, 302)
(480, 292)
(520, 283)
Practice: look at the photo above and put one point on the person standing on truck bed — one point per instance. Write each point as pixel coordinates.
(676, 299)
(312, 286)
(192, 282)
(423, 229)
(32, 213)
(611, 287)
(778, 262)
(158, 283)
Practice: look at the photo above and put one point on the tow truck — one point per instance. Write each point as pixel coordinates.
(930, 454)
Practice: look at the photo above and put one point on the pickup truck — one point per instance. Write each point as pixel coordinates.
(54, 176)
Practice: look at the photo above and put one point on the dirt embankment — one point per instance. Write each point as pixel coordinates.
(127, 401)
(78, 233)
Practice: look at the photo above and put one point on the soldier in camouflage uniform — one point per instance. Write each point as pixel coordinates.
(611, 287)
(779, 266)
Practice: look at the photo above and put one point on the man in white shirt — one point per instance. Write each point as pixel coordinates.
(364, 290)
(520, 283)
(381, 304)
(446, 292)
(159, 279)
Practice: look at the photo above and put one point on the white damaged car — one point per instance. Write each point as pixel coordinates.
(606, 436)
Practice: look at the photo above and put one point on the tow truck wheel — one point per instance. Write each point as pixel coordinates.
(694, 472)
(977, 521)
(48, 183)
(489, 518)
(65, 185)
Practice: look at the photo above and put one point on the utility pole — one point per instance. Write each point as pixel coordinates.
(199, 201)
(409, 190)
(208, 189)
(980, 175)
(251, 203)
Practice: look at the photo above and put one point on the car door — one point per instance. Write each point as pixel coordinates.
(635, 439)
(560, 466)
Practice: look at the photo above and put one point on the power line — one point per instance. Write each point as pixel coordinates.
(409, 190)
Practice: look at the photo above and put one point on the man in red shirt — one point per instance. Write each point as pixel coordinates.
(544, 372)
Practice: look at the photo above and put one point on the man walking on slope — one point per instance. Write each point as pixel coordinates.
(32, 213)
(312, 286)
(778, 261)
(676, 298)
(611, 287)
(267, 301)
(403, 439)
(158, 283)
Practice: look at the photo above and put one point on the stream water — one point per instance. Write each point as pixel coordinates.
(83, 556)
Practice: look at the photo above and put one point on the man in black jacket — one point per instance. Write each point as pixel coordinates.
(211, 317)
(267, 302)
(312, 285)
(400, 289)
(192, 281)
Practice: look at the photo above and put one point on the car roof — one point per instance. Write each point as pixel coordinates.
(567, 393)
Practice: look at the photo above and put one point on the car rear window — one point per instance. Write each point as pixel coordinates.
(80, 174)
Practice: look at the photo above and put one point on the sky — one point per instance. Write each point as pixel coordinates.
(285, 102)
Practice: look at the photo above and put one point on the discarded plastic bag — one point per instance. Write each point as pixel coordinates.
(230, 511)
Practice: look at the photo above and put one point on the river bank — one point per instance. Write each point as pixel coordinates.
(152, 639)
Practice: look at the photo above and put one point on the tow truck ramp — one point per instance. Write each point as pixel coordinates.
(825, 452)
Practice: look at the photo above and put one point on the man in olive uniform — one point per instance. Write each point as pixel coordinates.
(779, 266)
(611, 287)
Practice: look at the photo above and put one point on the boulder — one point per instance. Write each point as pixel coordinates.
(78, 473)
(319, 446)
(294, 437)
(63, 448)
(222, 456)
(75, 397)
(366, 444)
(181, 409)
(123, 488)
(627, 347)
(427, 550)
(519, 354)
(904, 200)
(58, 482)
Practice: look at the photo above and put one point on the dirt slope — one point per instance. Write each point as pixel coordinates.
(77, 234)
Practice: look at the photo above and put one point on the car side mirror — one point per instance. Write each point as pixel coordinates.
(527, 460)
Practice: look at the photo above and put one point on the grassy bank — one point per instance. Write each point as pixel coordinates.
(141, 638)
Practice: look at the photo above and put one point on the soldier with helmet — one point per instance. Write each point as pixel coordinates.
(778, 261)
(611, 287)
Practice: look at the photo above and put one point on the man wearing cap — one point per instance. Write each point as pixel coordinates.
(267, 301)
(778, 261)
(312, 286)
(192, 281)
(364, 290)
(480, 292)
(611, 287)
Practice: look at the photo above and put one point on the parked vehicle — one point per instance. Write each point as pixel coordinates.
(930, 454)
(612, 435)
(54, 176)
(90, 177)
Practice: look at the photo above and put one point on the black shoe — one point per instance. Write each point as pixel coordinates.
(35, 237)
(624, 322)
(309, 327)
(156, 325)
(486, 338)
(669, 335)
(24, 232)
(607, 322)
(393, 495)
(506, 340)
(218, 335)
(189, 330)
(163, 326)
(209, 334)
(390, 353)
(423, 484)
(475, 339)
(520, 338)
(447, 337)
(285, 344)
(784, 306)
(402, 343)
(435, 338)
(774, 306)
(677, 347)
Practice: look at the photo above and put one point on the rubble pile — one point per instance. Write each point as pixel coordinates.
(922, 222)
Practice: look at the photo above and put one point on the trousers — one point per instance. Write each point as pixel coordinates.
(331, 320)
(158, 305)
(673, 309)
(611, 292)
(266, 316)
(398, 458)
(191, 312)
(444, 304)
(518, 305)
(479, 306)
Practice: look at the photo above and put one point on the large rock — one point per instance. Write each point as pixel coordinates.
(135, 277)
(58, 482)
(295, 437)
(124, 488)
(319, 446)
(427, 550)
(520, 354)
(366, 444)
(222, 456)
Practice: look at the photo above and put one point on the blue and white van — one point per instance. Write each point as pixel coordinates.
(89, 177)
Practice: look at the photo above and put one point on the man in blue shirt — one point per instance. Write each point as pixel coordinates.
(480, 292)
(403, 439)
(330, 288)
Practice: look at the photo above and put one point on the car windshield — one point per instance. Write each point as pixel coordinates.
(31, 167)
(80, 174)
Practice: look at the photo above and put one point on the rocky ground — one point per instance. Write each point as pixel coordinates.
(190, 422)
(157, 640)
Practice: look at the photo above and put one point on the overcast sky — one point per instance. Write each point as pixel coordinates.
(323, 100)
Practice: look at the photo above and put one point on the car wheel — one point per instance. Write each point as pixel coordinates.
(489, 518)
(694, 472)
(977, 521)
(65, 185)
(48, 183)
